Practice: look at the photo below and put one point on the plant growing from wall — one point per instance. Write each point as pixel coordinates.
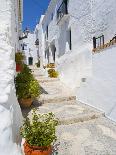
(39, 133)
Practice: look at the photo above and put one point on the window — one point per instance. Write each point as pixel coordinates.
(63, 10)
(69, 39)
(47, 31)
(98, 41)
(30, 61)
(24, 46)
(52, 16)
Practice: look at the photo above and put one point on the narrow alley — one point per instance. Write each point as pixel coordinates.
(83, 130)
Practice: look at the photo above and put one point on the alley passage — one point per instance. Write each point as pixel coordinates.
(82, 130)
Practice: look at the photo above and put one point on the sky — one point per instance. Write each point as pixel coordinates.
(33, 9)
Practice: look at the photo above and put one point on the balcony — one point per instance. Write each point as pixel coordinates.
(62, 13)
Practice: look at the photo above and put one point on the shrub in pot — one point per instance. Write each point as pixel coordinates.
(27, 88)
(51, 65)
(18, 59)
(39, 133)
(52, 73)
(38, 64)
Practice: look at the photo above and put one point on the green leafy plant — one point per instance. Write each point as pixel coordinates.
(19, 57)
(51, 65)
(34, 89)
(26, 69)
(26, 85)
(25, 75)
(52, 73)
(38, 64)
(40, 131)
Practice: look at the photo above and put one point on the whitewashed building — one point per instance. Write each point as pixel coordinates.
(11, 14)
(40, 38)
(68, 28)
(30, 49)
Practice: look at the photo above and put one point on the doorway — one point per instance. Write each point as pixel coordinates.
(30, 60)
(53, 48)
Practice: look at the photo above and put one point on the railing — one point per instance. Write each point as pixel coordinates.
(99, 44)
(62, 10)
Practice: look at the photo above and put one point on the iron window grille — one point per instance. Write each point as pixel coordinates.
(63, 10)
(47, 31)
(98, 41)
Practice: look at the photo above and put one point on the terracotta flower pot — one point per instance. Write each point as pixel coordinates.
(36, 150)
(18, 68)
(25, 103)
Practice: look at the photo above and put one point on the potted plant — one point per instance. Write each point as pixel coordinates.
(27, 88)
(51, 65)
(39, 133)
(18, 59)
(38, 64)
(52, 73)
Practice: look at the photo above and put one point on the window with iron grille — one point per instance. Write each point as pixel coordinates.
(98, 41)
(63, 10)
(52, 15)
(47, 31)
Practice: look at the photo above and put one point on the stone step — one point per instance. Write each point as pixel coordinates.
(56, 99)
(38, 74)
(55, 92)
(70, 113)
(42, 79)
(81, 118)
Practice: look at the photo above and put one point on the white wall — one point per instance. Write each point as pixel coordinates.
(10, 113)
(100, 89)
(94, 19)
(52, 29)
(30, 50)
(86, 19)
(40, 36)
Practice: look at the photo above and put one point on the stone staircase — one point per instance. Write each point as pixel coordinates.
(70, 112)
(59, 99)
(83, 130)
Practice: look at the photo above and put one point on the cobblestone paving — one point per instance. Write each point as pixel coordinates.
(95, 137)
(55, 91)
(71, 112)
(83, 129)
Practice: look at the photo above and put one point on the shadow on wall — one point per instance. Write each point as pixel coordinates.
(62, 40)
(73, 67)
